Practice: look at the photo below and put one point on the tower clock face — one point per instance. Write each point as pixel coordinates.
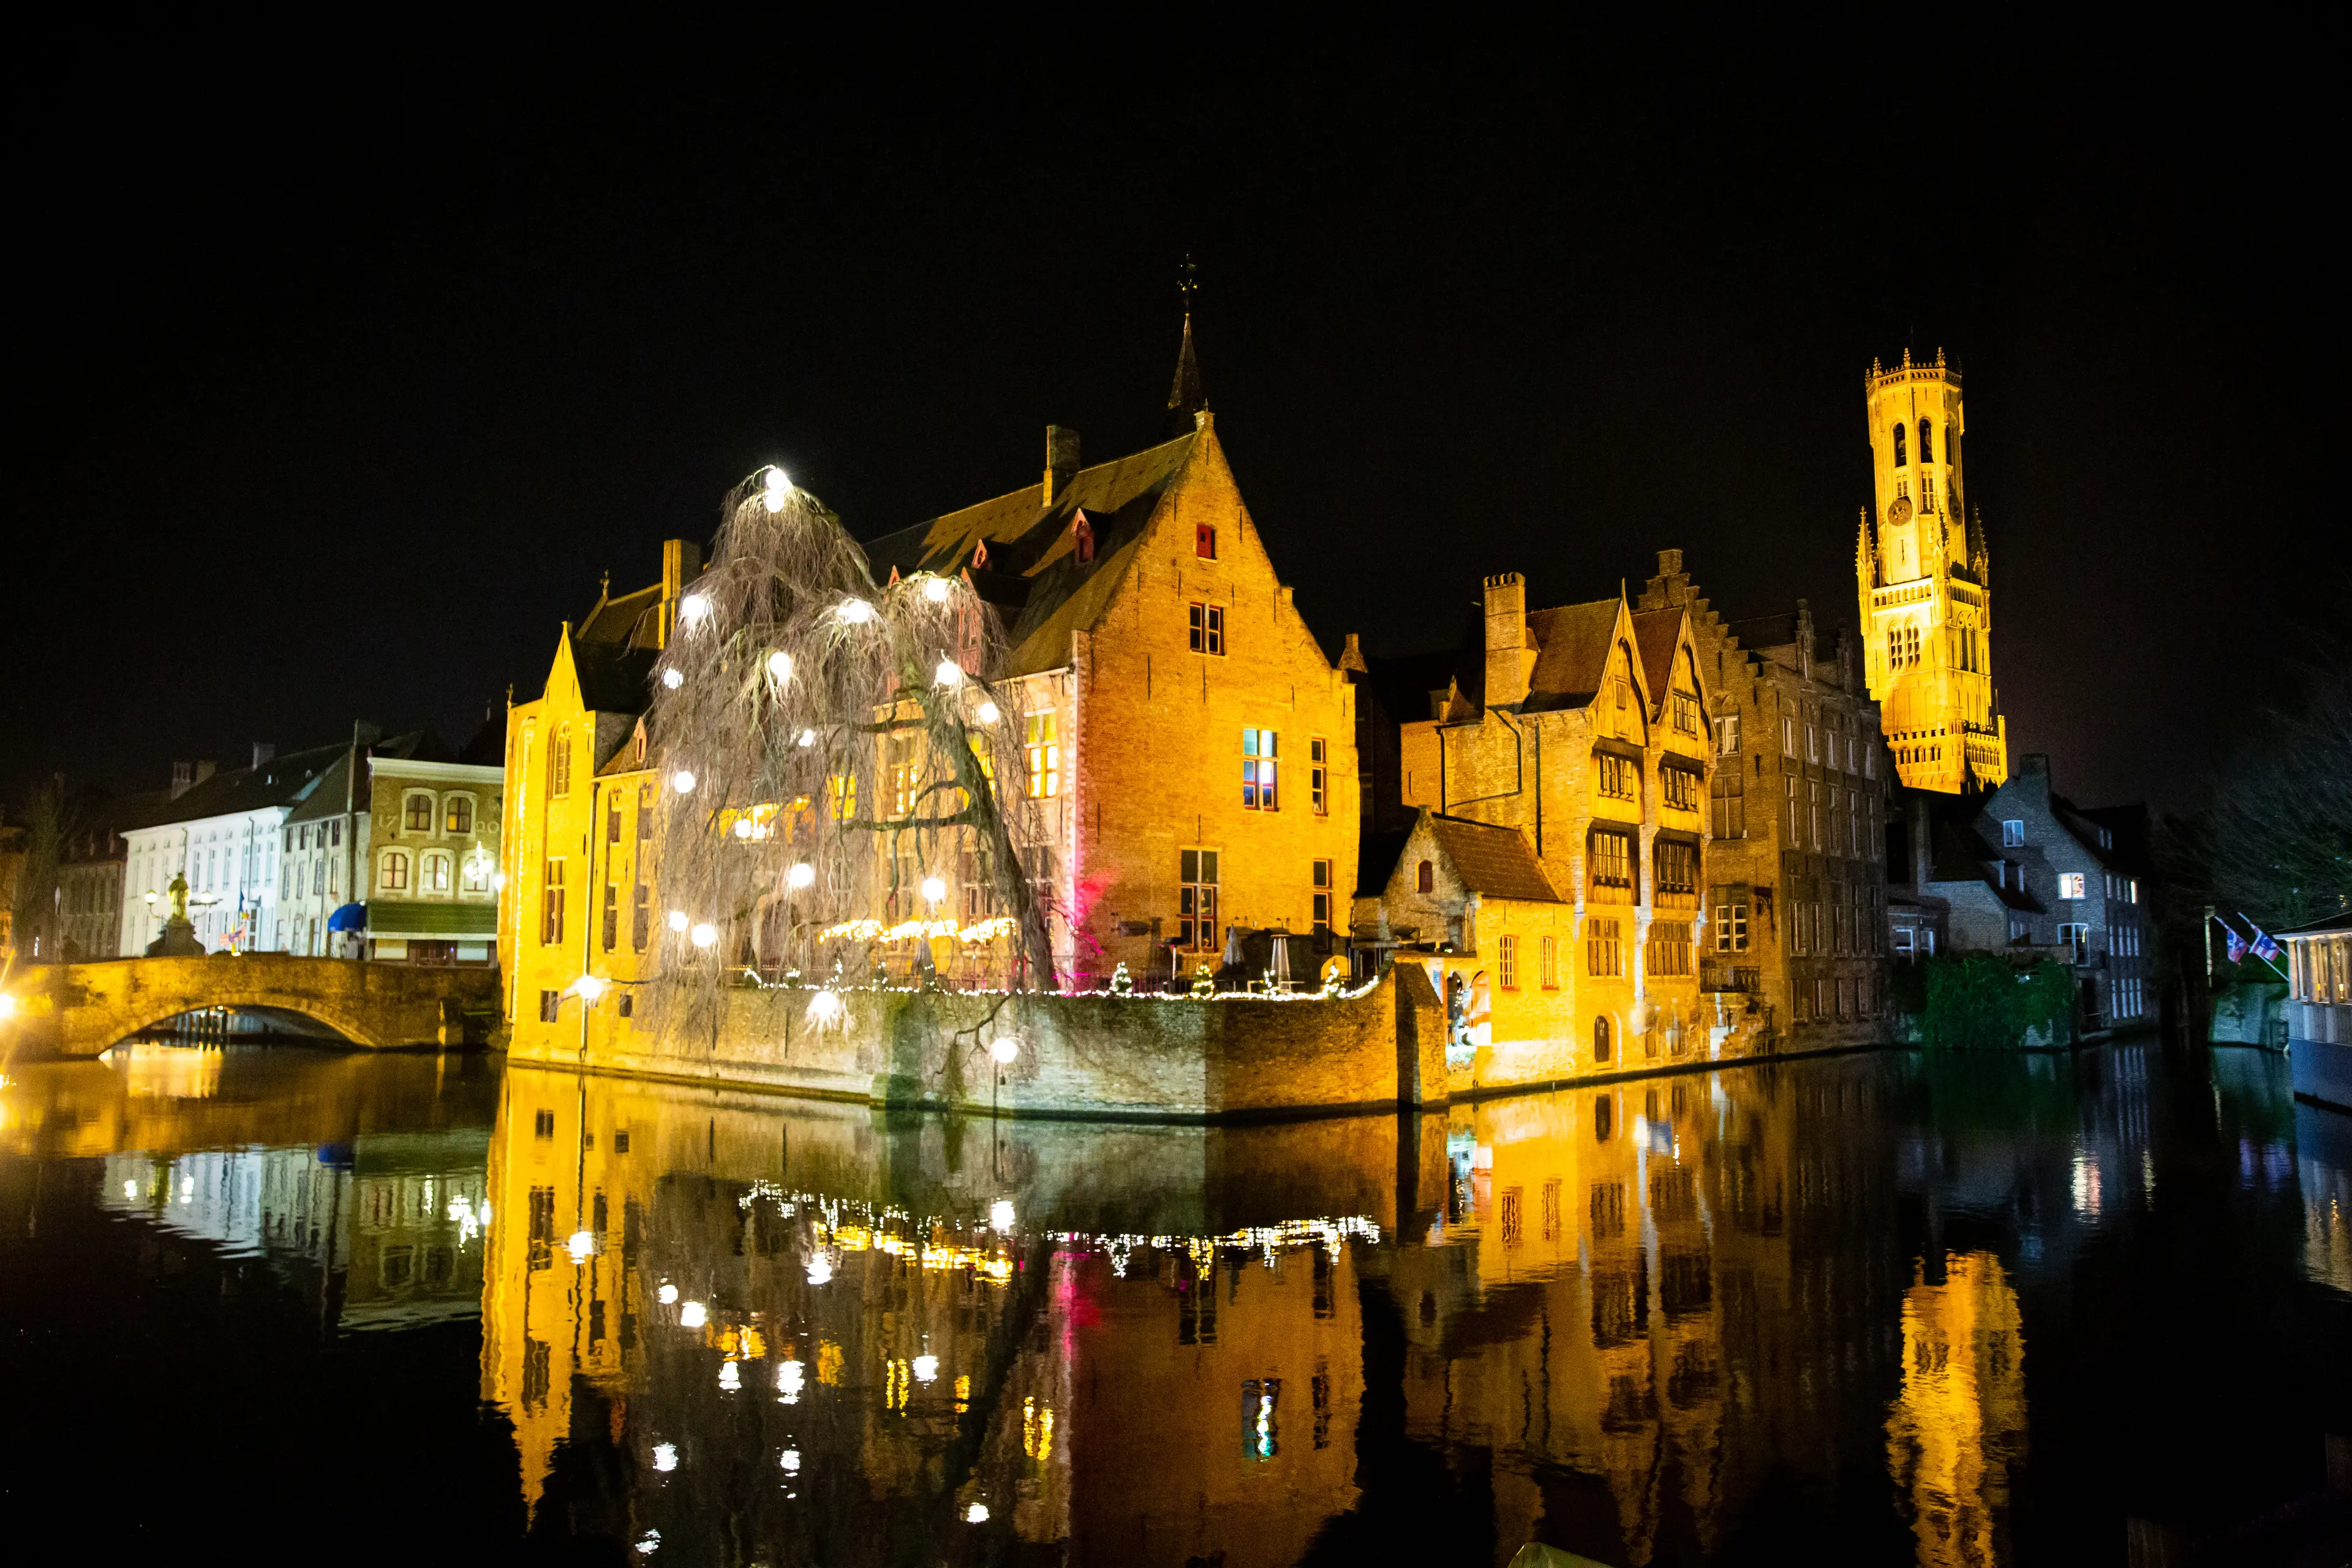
(1900, 512)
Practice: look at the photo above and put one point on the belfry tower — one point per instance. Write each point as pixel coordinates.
(1926, 585)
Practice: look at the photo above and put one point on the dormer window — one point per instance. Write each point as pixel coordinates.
(1424, 878)
(1082, 533)
(1204, 542)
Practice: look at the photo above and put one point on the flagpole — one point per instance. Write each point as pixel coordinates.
(2231, 932)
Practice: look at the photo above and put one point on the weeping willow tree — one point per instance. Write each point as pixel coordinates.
(828, 753)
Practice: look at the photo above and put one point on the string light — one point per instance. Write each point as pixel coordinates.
(682, 780)
(934, 889)
(1004, 1051)
(989, 713)
(856, 611)
(677, 920)
(801, 875)
(949, 672)
(743, 828)
(824, 1006)
(808, 737)
(778, 487)
(704, 934)
(780, 664)
(590, 987)
(936, 590)
(673, 678)
(694, 607)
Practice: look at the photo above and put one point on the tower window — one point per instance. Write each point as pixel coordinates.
(1927, 442)
(1900, 459)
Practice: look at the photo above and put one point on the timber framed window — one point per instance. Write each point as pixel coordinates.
(1042, 743)
(1258, 771)
(1684, 707)
(392, 873)
(1196, 901)
(1611, 857)
(1679, 786)
(417, 814)
(1206, 629)
(1506, 963)
(1604, 947)
(550, 904)
(1321, 880)
(1317, 777)
(1670, 947)
(1619, 779)
(1676, 871)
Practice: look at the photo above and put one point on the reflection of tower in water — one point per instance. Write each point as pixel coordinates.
(1958, 1429)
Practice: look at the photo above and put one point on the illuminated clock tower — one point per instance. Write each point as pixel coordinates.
(1926, 585)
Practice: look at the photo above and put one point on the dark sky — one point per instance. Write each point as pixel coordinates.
(343, 368)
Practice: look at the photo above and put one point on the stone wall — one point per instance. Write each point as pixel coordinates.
(1094, 1054)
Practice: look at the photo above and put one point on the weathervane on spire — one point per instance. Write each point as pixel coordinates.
(1185, 399)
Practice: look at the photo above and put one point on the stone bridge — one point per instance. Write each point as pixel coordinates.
(80, 1009)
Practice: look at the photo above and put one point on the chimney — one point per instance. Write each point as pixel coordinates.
(1509, 659)
(1804, 639)
(681, 564)
(1351, 658)
(184, 777)
(1060, 461)
(262, 752)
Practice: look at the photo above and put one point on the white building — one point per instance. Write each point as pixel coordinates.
(223, 833)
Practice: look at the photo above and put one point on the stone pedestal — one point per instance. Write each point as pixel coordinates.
(178, 940)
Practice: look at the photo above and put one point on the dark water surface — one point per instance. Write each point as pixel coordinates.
(1880, 1309)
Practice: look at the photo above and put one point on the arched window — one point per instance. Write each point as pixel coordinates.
(1425, 879)
(559, 763)
(457, 815)
(1601, 1052)
(1899, 458)
(1927, 442)
(417, 814)
(392, 877)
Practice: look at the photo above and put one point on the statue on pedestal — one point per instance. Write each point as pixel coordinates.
(179, 938)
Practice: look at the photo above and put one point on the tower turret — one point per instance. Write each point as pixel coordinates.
(1924, 576)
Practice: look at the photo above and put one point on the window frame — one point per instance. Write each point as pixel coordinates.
(409, 802)
(392, 871)
(1205, 628)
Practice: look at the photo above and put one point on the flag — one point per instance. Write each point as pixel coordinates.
(2264, 948)
(2237, 943)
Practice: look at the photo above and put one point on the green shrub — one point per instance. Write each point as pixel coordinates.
(1983, 1001)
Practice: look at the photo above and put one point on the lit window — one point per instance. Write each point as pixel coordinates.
(1507, 962)
(1323, 890)
(1618, 779)
(459, 816)
(394, 877)
(1042, 743)
(1681, 787)
(1731, 928)
(2070, 884)
(1726, 735)
(1612, 860)
(1318, 797)
(844, 796)
(1258, 770)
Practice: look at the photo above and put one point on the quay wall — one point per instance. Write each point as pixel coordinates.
(1155, 1058)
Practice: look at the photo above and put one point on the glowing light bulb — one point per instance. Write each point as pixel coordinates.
(694, 607)
(673, 678)
(949, 672)
(668, 1295)
(856, 611)
(777, 489)
(583, 1246)
(936, 590)
(820, 1270)
(801, 875)
(590, 986)
(664, 1457)
(934, 889)
(976, 1514)
(1005, 1050)
(704, 934)
(129, 1188)
(927, 1367)
(683, 781)
(808, 737)
(743, 828)
(824, 1006)
(693, 1315)
(989, 713)
(1000, 1216)
(677, 920)
(780, 664)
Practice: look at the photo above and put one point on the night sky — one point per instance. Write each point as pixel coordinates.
(343, 369)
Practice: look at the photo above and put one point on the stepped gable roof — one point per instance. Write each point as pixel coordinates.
(615, 678)
(1033, 576)
(1572, 652)
(1495, 862)
(281, 781)
(1656, 635)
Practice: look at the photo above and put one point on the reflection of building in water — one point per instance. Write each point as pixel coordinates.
(840, 1378)
(2324, 1156)
(1958, 1429)
(385, 1229)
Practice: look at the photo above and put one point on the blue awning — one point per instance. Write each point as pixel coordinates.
(351, 917)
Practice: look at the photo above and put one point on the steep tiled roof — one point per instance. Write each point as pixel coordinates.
(613, 677)
(281, 781)
(1034, 575)
(1571, 653)
(623, 620)
(1656, 635)
(1495, 862)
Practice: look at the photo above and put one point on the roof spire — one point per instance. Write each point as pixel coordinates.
(1185, 398)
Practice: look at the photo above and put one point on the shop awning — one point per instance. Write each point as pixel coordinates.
(351, 917)
(422, 919)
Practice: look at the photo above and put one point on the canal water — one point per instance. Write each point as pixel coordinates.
(1876, 1309)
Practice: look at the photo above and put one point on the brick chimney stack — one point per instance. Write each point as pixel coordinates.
(1060, 461)
(681, 564)
(1510, 657)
